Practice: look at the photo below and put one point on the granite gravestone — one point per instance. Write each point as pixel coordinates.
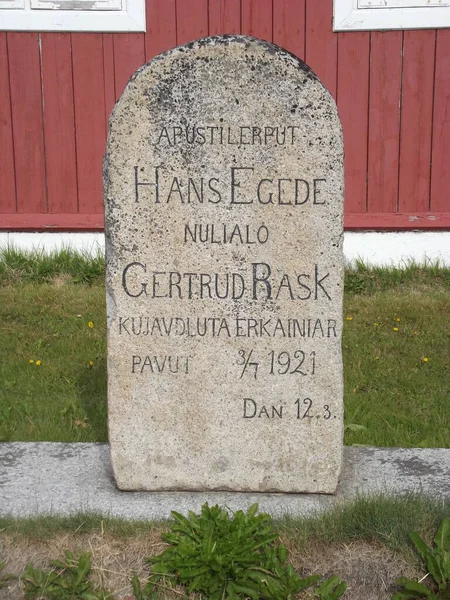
(223, 187)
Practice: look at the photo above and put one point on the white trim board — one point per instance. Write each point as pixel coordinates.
(373, 247)
(131, 17)
(348, 17)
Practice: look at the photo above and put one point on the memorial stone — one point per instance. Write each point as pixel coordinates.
(223, 189)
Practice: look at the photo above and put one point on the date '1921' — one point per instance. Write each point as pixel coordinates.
(279, 363)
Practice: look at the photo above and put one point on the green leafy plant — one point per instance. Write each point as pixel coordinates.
(4, 579)
(437, 562)
(67, 580)
(222, 557)
(330, 589)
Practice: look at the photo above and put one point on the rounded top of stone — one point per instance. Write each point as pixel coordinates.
(234, 39)
(247, 43)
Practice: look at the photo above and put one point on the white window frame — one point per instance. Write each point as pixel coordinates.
(24, 18)
(348, 17)
(12, 4)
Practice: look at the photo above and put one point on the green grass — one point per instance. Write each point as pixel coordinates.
(387, 520)
(63, 398)
(47, 527)
(392, 396)
(38, 267)
(400, 399)
(365, 280)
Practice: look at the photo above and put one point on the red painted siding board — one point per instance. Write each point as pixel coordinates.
(192, 20)
(440, 165)
(161, 32)
(108, 72)
(257, 18)
(90, 118)
(59, 123)
(416, 120)
(397, 221)
(26, 102)
(224, 16)
(384, 121)
(352, 221)
(321, 42)
(7, 172)
(353, 100)
(129, 55)
(49, 222)
(289, 25)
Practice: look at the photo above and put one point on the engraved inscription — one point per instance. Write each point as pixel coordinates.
(223, 233)
(159, 364)
(295, 362)
(304, 410)
(238, 189)
(245, 135)
(217, 327)
(254, 410)
(262, 282)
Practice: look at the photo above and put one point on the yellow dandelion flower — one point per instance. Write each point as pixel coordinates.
(377, 358)
(395, 328)
(31, 361)
(349, 318)
(425, 359)
(91, 363)
(398, 320)
(38, 363)
(91, 325)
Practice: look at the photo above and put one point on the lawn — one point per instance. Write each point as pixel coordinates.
(396, 349)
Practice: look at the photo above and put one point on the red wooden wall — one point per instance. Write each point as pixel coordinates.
(392, 89)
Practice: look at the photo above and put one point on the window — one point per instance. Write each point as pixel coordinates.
(390, 14)
(72, 15)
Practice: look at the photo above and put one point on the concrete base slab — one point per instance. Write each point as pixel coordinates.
(66, 479)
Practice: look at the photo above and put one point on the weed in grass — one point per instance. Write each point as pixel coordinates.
(330, 589)
(219, 557)
(67, 580)
(5, 578)
(437, 561)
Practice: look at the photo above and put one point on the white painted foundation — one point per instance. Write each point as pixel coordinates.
(374, 248)
(88, 243)
(392, 248)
